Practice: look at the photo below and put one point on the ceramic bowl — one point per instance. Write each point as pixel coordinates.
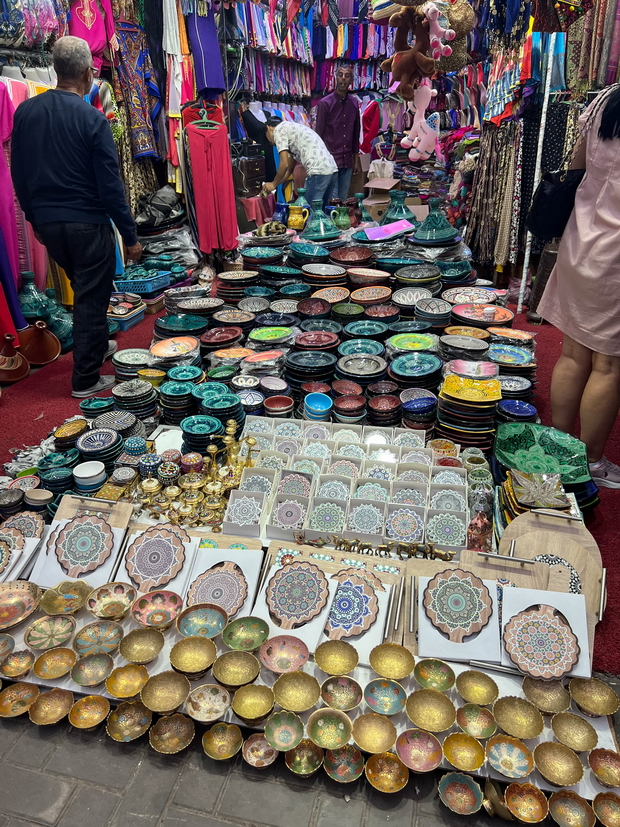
(54, 663)
(257, 751)
(476, 687)
(476, 721)
(17, 664)
(66, 598)
(235, 669)
(593, 697)
(91, 670)
(568, 809)
(460, 793)
(297, 691)
(283, 653)
(431, 673)
(463, 752)
(336, 657)
(192, 655)
(549, 696)
(430, 710)
(128, 721)
(89, 711)
(17, 699)
(202, 619)
(284, 731)
(518, 717)
(253, 702)
(607, 809)
(222, 741)
(419, 750)
(526, 803)
(49, 631)
(345, 764)
(127, 681)
(374, 733)
(112, 601)
(207, 703)
(165, 692)
(157, 610)
(509, 756)
(99, 638)
(329, 728)
(51, 707)
(304, 759)
(605, 764)
(574, 732)
(391, 660)
(386, 772)
(341, 692)
(558, 764)
(171, 734)
(141, 645)
(245, 634)
(385, 696)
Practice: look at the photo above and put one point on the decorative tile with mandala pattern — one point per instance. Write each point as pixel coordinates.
(327, 517)
(334, 490)
(410, 496)
(416, 456)
(349, 450)
(458, 603)
(317, 449)
(344, 468)
(316, 431)
(307, 465)
(83, 544)
(271, 461)
(258, 484)
(287, 446)
(366, 518)
(447, 478)
(295, 484)
(372, 491)
(289, 429)
(379, 472)
(259, 426)
(448, 500)
(384, 455)
(446, 528)
(244, 511)
(347, 435)
(413, 476)
(411, 440)
(404, 524)
(288, 514)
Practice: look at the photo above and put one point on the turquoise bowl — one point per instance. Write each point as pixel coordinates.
(263, 292)
(318, 403)
(385, 697)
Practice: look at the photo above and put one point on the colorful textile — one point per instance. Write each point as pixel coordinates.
(92, 21)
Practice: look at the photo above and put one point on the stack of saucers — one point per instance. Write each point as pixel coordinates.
(516, 387)
(88, 477)
(179, 349)
(56, 480)
(68, 434)
(137, 396)
(273, 386)
(317, 407)
(177, 401)
(127, 363)
(514, 410)
(235, 318)
(225, 407)
(417, 369)
(199, 432)
(308, 366)
(175, 295)
(426, 276)
(481, 315)
(362, 368)
(204, 307)
(462, 347)
(434, 311)
(103, 444)
(230, 286)
(182, 324)
(186, 373)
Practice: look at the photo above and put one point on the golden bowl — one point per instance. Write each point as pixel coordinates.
(51, 707)
(49, 631)
(296, 691)
(558, 764)
(193, 655)
(345, 764)
(476, 687)
(574, 731)
(128, 721)
(518, 717)
(568, 809)
(386, 772)
(165, 692)
(374, 733)
(605, 764)
(549, 696)
(494, 803)
(54, 663)
(171, 734)
(141, 645)
(607, 809)
(17, 699)
(17, 664)
(127, 681)
(329, 728)
(341, 692)
(391, 660)
(526, 802)
(476, 721)
(111, 601)
(430, 710)
(305, 758)
(91, 670)
(431, 673)
(207, 703)
(66, 598)
(463, 751)
(253, 702)
(509, 756)
(419, 750)
(336, 657)
(89, 711)
(257, 752)
(235, 669)
(157, 609)
(593, 697)
(222, 741)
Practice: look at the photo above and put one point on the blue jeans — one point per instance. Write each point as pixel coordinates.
(343, 182)
(320, 187)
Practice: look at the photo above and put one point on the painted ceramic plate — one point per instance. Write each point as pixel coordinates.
(155, 558)
(49, 632)
(472, 390)
(224, 584)
(541, 644)
(283, 653)
(458, 603)
(83, 544)
(296, 593)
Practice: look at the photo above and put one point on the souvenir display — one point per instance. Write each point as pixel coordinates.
(224, 585)
(155, 558)
(457, 603)
(83, 545)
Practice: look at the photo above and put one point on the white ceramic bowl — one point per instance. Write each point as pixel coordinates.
(89, 472)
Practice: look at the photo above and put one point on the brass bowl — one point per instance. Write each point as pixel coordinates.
(495, 803)
(165, 692)
(18, 600)
(51, 707)
(385, 696)
(296, 691)
(476, 687)
(111, 601)
(127, 681)
(7, 644)
(607, 809)
(17, 664)
(193, 655)
(235, 669)
(463, 752)
(460, 793)
(574, 731)
(305, 758)
(54, 663)
(518, 717)
(345, 764)
(257, 752)
(419, 750)
(329, 728)
(245, 634)
(171, 734)
(568, 809)
(558, 764)
(430, 710)
(66, 598)
(341, 692)
(284, 730)
(336, 657)
(431, 673)
(89, 711)
(157, 609)
(202, 619)
(17, 699)
(98, 637)
(476, 721)
(386, 772)
(605, 764)
(92, 670)
(549, 696)
(253, 702)
(207, 703)
(49, 631)
(374, 733)
(141, 645)
(509, 756)
(593, 697)
(526, 802)
(128, 721)
(391, 660)
(222, 741)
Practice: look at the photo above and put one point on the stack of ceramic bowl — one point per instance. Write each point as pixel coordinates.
(468, 295)
(199, 432)
(57, 480)
(278, 276)
(234, 318)
(456, 273)
(333, 295)
(367, 296)
(419, 409)
(405, 299)
(462, 347)
(137, 396)
(352, 256)
(271, 319)
(103, 444)
(311, 387)
(394, 263)
(127, 363)
(35, 500)
(186, 373)
(385, 386)
(329, 325)
(416, 370)
(387, 313)
(434, 311)
(296, 291)
(348, 312)
(410, 342)
(351, 346)
(385, 411)
(513, 361)
(225, 407)
(410, 326)
(279, 407)
(254, 304)
(88, 477)
(13, 499)
(230, 286)
(481, 315)
(62, 459)
(516, 387)
(260, 292)
(362, 368)
(317, 407)
(254, 257)
(219, 337)
(177, 401)
(253, 402)
(324, 275)
(301, 253)
(204, 307)
(273, 386)
(182, 324)
(95, 405)
(284, 306)
(244, 382)
(350, 410)
(514, 410)
(359, 277)
(68, 434)
(308, 366)
(317, 340)
(313, 309)
(343, 387)
(425, 276)
(366, 329)
(175, 295)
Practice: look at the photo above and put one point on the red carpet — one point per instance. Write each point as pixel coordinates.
(32, 407)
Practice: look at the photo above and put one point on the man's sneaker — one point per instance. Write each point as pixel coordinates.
(104, 384)
(605, 474)
(112, 348)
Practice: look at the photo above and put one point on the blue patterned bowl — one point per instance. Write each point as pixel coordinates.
(385, 696)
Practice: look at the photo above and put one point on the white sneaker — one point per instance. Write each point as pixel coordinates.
(605, 474)
(112, 348)
(103, 384)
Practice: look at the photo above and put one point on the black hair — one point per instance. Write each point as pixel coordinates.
(610, 120)
(272, 120)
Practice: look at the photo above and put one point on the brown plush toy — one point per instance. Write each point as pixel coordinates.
(409, 63)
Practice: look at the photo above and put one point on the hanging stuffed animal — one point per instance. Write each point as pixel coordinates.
(409, 63)
(426, 140)
(421, 101)
(437, 32)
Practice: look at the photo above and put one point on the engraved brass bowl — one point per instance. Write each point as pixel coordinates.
(495, 803)
(54, 663)
(476, 687)
(430, 710)
(463, 752)
(17, 664)
(607, 809)
(257, 751)
(89, 711)
(222, 741)
(128, 721)
(509, 756)
(157, 609)
(345, 764)
(296, 691)
(568, 809)
(518, 717)
(171, 734)
(17, 699)
(593, 697)
(605, 764)
(305, 758)
(284, 730)
(66, 598)
(419, 750)
(574, 731)
(127, 681)
(111, 601)
(91, 670)
(245, 634)
(341, 692)
(165, 692)
(329, 728)
(141, 645)
(549, 696)
(374, 733)
(47, 632)
(253, 702)
(50, 707)
(391, 660)
(431, 673)
(18, 600)
(460, 793)
(336, 657)
(558, 764)
(235, 669)
(207, 703)
(526, 802)
(202, 619)
(476, 721)
(192, 656)
(386, 772)
(385, 696)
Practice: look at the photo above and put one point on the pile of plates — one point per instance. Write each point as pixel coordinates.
(513, 361)
(419, 409)
(186, 373)
(205, 306)
(366, 329)
(362, 368)
(175, 295)
(387, 313)
(67, 434)
(308, 366)
(235, 318)
(300, 253)
(263, 363)
(177, 401)
(253, 257)
(481, 315)
(321, 340)
(225, 407)
(127, 363)
(137, 396)
(170, 352)
(103, 444)
(88, 477)
(183, 324)
(12, 500)
(219, 337)
(57, 480)
(466, 411)
(122, 421)
(416, 370)
(266, 338)
(462, 347)
(515, 410)
(344, 314)
(516, 387)
(230, 286)
(276, 277)
(511, 336)
(95, 405)
(411, 342)
(434, 311)
(351, 346)
(468, 295)
(254, 304)
(199, 432)
(324, 275)
(65, 459)
(420, 275)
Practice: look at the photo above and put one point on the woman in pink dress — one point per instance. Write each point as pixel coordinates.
(582, 297)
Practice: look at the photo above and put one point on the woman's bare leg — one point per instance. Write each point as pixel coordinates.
(570, 376)
(600, 403)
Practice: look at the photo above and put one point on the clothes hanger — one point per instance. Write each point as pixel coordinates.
(204, 122)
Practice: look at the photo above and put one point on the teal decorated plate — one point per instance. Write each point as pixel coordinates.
(360, 346)
(281, 270)
(366, 328)
(200, 425)
(184, 373)
(332, 235)
(175, 389)
(261, 252)
(416, 364)
(209, 389)
(181, 323)
(302, 250)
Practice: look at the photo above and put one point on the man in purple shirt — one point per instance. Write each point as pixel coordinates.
(338, 124)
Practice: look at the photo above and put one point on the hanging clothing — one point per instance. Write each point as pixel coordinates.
(11, 319)
(92, 20)
(8, 220)
(202, 33)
